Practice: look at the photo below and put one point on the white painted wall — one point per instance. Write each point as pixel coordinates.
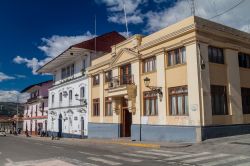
(65, 107)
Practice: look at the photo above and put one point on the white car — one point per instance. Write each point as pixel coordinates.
(2, 133)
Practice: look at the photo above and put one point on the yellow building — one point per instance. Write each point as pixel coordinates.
(187, 82)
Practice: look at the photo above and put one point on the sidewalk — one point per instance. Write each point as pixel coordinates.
(122, 141)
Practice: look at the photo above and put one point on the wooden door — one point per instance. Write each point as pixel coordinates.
(126, 120)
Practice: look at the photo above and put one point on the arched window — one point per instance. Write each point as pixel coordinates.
(70, 95)
(82, 92)
(60, 97)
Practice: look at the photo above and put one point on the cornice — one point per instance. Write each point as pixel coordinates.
(167, 37)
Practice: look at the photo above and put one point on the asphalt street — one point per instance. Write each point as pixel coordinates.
(21, 151)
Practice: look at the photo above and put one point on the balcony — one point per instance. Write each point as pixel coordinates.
(121, 85)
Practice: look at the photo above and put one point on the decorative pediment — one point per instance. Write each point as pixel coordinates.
(124, 55)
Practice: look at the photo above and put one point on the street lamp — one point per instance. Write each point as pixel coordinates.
(156, 89)
(53, 114)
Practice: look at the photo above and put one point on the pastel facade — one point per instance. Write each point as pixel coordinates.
(68, 97)
(36, 108)
(202, 70)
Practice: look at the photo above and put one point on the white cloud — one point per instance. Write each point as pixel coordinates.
(51, 47)
(116, 10)
(4, 77)
(20, 76)
(11, 96)
(237, 18)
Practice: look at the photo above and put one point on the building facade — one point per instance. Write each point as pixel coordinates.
(36, 108)
(187, 82)
(68, 97)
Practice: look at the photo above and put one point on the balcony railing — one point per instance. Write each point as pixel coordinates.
(121, 80)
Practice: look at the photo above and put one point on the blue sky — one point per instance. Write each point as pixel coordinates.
(33, 32)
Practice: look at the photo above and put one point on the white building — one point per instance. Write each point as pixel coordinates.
(36, 108)
(68, 97)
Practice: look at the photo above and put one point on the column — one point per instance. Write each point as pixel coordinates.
(161, 82)
(89, 99)
(234, 89)
(193, 79)
(101, 91)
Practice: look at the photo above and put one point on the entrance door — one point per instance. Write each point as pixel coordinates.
(60, 126)
(126, 120)
(125, 74)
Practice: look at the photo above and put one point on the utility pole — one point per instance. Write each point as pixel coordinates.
(192, 7)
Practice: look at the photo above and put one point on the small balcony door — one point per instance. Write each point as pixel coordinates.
(125, 74)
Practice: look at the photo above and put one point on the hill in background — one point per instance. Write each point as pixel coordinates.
(10, 108)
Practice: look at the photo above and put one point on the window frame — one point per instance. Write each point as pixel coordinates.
(146, 64)
(212, 58)
(245, 95)
(176, 56)
(153, 98)
(108, 103)
(108, 76)
(244, 60)
(221, 91)
(96, 80)
(176, 95)
(96, 107)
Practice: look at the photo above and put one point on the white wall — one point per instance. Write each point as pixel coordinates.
(66, 107)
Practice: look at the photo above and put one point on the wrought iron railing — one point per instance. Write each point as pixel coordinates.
(121, 80)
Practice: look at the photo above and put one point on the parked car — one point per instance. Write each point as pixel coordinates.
(2, 133)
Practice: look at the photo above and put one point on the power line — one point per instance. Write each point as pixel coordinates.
(227, 10)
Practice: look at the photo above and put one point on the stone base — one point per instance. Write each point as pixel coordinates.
(104, 130)
(164, 133)
(224, 130)
(66, 135)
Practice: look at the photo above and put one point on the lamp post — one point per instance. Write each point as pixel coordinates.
(53, 114)
(156, 89)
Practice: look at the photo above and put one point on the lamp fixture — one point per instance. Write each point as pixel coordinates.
(156, 89)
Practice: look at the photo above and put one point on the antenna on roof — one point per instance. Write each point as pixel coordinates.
(192, 7)
(125, 15)
(95, 35)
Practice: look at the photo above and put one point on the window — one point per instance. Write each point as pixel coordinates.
(245, 95)
(178, 100)
(72, 69)
(60, 97)
(82, 92)
(149, 65)
(96, 79)
(70, 95)
(53, 99)
(150, 103)
(96, 107)
(215, 55)
(244, 60)
(108, 76)
(219, 100)
(108, 107)
(68, 71)
(84, 64)
(177, 56)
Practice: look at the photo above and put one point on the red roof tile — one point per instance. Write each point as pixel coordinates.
(103, 42)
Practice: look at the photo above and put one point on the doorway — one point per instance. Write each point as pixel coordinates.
(126, 119)
(60, 126)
